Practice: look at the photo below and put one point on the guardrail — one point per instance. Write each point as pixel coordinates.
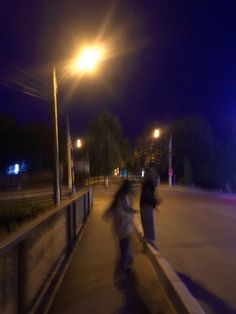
(32, 259)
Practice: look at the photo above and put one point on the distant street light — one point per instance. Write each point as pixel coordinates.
(83, 145)
(82, 164)
(78, 143)
(156, 133)
(70, 158)
(86, 62)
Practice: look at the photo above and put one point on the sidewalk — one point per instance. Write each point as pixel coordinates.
(88, 285)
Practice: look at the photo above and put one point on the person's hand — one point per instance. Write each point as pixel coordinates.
(107, 214)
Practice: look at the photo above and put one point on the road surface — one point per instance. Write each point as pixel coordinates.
(196, 232)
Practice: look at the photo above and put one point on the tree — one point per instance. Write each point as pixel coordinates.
(31, 143)
(9, 139)
(194, 147)
(36, 146)
(107, 147)
(188, 174)
(125, 154)
(197, 157)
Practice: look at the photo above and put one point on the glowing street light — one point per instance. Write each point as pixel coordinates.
(156, 133)
(78, 143)
(88, 59)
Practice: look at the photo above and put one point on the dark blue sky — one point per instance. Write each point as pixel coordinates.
(174, 58)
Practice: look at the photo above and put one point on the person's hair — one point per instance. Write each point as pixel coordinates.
(124, 189)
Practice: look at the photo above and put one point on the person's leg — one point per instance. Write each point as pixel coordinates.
(144, 220)
(125, 254)
(148, 224)
(147, 221)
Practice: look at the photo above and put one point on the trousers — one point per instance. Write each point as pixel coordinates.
(147, 221)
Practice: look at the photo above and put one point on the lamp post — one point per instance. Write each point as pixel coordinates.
(69, 158)
(82, 157)
(154, 152)
(170, 169)
(82, 144)
(86, 62)
(156, 134)
(56, 166)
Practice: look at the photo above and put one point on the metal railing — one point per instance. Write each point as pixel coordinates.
(32, 258)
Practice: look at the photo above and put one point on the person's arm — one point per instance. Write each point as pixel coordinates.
(108, 213)
(126, 206)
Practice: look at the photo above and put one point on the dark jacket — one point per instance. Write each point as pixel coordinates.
(147, 194)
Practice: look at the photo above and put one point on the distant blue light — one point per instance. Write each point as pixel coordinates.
(16, 169)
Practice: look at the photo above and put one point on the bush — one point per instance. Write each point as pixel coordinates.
(15, 212)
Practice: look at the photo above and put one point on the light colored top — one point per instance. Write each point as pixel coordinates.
(123, 218)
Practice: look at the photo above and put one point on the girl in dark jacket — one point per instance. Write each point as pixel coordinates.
(148, 202)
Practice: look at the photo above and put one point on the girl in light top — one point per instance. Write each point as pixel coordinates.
(123, 215)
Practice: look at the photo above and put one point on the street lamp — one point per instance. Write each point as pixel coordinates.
(56, 166)
(86, 62)
(153, 152)
(78, 143)
(170, 169)
(81, 161)
(88, 59)
(156, 134)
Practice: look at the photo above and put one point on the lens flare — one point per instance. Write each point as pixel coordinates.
(88, 59)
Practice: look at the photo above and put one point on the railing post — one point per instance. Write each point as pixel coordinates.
(70, 228)
(88, 201)
(91, 198)
(74, 219)
(21, 277)
(85, 211)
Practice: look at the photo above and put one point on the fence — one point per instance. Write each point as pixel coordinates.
(31, 259)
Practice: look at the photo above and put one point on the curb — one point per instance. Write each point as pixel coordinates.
(178, 293)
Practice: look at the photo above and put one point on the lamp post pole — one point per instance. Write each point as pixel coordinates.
(69, 159)
(56, 163)
(86, 62)
(170, 170)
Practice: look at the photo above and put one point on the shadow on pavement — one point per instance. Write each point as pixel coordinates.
(132, 301)
(214, 302)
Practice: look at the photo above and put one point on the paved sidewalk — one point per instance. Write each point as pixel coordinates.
(88, 285)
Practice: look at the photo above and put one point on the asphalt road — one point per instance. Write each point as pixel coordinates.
(196, 232)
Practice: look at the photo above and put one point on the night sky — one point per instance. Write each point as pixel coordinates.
(169, 59)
